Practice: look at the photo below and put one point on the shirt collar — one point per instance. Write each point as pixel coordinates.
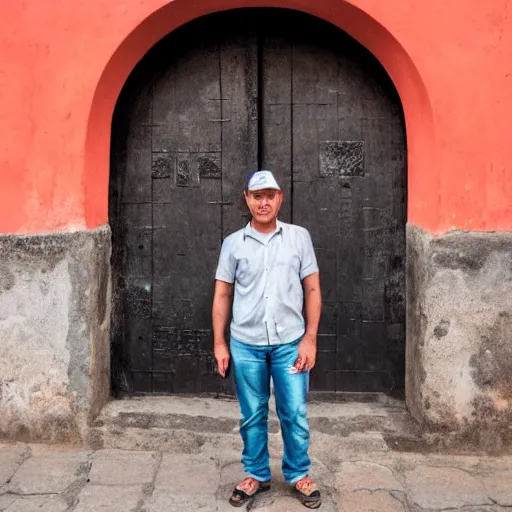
(249, 231)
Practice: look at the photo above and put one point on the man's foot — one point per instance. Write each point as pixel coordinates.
(247, 489)
(309, 495)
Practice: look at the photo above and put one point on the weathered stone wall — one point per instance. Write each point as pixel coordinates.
(55, 308)
(459, 333)
(54, 339)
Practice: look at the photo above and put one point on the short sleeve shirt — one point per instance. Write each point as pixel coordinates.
(267, 274)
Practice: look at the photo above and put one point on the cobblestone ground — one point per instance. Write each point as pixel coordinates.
(54, 479)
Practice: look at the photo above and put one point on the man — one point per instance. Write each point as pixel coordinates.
(270, 271)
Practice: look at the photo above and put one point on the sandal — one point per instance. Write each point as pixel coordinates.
(246, 490)
(309, 495)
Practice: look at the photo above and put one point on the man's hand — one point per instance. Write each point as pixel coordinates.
(307, 347)
(307, 353)
(221, 352)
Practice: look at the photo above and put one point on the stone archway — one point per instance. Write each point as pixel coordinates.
(361, 25)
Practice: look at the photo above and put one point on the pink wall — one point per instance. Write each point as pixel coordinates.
(64, 64)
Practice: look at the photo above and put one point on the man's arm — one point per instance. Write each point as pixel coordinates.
(221, 312)
(313, 299)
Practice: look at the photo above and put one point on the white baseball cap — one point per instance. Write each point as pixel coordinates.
(262, 180)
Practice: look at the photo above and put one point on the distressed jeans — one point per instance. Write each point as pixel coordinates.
(253, 366)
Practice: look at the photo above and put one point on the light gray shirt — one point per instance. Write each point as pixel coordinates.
(267, 273)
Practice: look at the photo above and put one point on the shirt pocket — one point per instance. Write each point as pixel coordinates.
(245, 271)
(289, 263)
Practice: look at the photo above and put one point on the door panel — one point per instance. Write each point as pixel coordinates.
(203, 108)
(348, 189)
(189, 144)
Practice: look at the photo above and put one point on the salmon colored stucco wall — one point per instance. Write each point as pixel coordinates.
(63, 64)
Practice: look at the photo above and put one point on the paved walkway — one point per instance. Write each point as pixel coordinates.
(58, 479)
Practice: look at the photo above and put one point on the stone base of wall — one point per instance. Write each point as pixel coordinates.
(55, 308)
(459, 334)
(54, 334)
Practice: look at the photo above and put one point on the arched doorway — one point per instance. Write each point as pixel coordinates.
(218, 98)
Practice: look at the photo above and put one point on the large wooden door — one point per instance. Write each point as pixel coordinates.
(219, 98)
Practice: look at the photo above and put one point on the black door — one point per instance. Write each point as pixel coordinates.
(217, 99)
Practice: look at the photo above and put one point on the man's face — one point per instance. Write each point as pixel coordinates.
(264, 205)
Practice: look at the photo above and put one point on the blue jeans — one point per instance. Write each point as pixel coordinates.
(253, 366)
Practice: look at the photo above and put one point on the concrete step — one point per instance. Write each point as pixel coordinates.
(186, 424)
(223, 414)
